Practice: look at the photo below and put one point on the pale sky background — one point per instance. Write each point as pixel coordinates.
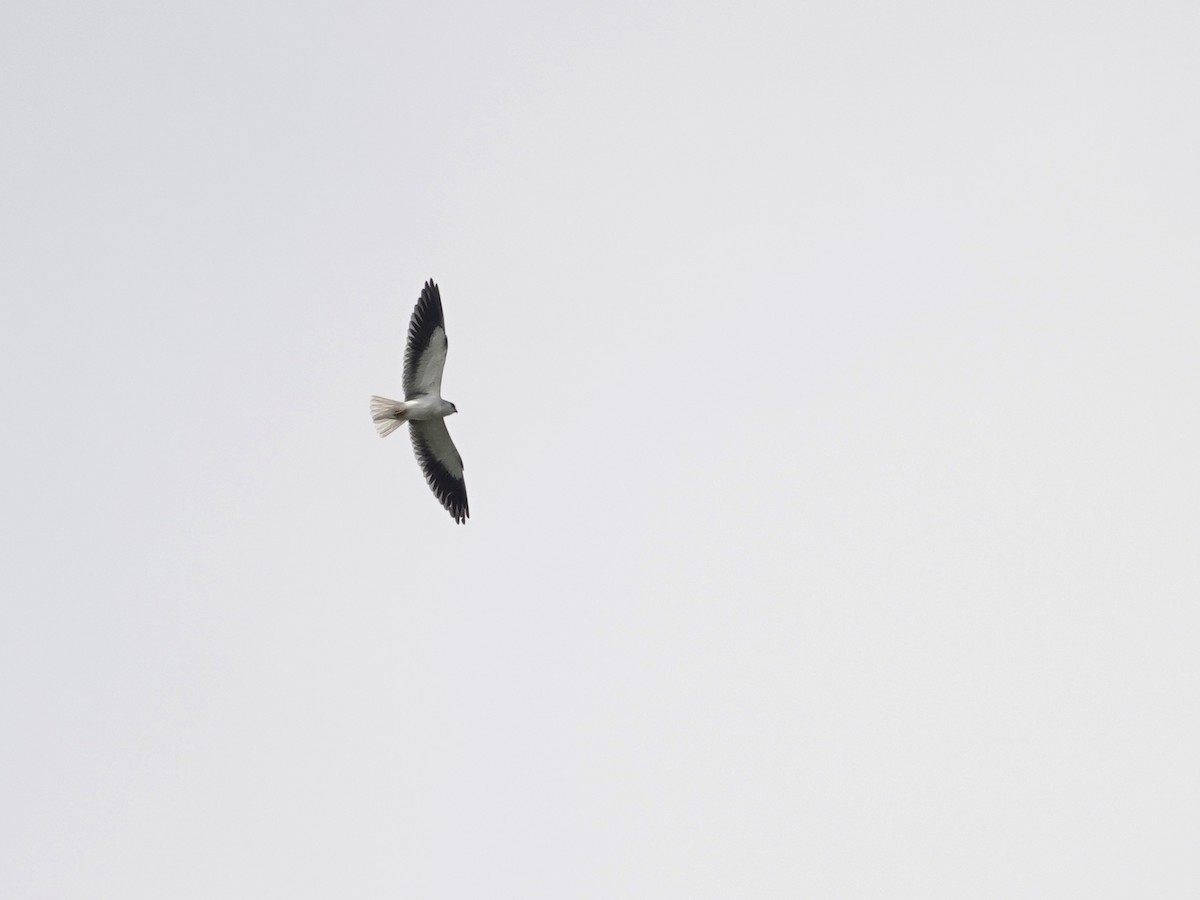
(829, 390)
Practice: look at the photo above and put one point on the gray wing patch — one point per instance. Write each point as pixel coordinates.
(441, 464)
(425, 352)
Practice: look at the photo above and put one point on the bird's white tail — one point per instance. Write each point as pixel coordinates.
(388, 415)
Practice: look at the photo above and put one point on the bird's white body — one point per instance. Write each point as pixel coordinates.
(427, 406)
(389, 415)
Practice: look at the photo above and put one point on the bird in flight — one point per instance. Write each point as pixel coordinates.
(423, 407)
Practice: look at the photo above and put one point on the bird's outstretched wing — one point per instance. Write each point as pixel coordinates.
(425, 355)
(441, 464)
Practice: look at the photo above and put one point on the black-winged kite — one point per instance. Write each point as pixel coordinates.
(423, 407)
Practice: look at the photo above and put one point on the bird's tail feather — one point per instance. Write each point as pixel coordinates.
(388, 415)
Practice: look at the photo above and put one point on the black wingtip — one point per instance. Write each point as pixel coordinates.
(431, 296)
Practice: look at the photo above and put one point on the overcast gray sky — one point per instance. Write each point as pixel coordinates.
(828, 385)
